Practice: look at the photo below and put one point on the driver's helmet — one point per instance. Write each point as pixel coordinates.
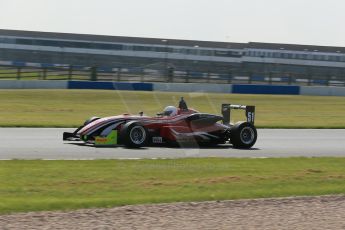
(170, 111)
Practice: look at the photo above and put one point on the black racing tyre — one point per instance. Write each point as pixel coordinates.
(243, 135)
(91, 119)
(133, 135)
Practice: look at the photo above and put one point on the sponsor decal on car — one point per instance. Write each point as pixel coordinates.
(111, 139)
(157, 140)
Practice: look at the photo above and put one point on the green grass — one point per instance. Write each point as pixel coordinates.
(56, 185)
(69, 108)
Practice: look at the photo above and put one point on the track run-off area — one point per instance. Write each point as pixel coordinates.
(47, 144)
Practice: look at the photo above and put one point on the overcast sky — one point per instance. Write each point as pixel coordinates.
(318, 22)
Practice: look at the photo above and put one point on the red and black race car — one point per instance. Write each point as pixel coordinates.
(173, 126)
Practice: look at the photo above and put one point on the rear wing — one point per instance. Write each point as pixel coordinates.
(249, 112)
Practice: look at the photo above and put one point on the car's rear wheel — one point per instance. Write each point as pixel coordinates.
(243, 135)
(133, 135)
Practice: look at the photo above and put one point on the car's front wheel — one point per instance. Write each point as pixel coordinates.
(133, 135)
(243, 135)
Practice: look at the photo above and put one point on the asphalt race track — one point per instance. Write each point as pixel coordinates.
(46, 143)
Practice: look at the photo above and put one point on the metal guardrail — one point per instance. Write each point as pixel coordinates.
(64, 72)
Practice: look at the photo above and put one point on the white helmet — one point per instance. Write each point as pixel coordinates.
(170, 111)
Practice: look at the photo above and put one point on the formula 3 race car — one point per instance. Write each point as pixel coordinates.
(174, 126)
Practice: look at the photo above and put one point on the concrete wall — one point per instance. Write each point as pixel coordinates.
(266, 89)
(14, 84)
(177, 87)
(250, 89)
(192, 87)
(322, 90)
(110, 85)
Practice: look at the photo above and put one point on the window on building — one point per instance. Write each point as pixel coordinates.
(127, 47)
(193, 51)
(7, 40)
(276, 55)
(20, 41)
(225, 53)
(332, 58)
(160, 49)
(141, 48)
(175, 50)
(205, 52)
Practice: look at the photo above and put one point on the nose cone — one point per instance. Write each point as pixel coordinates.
(94, 125)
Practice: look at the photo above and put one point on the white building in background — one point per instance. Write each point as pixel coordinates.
(258, 60)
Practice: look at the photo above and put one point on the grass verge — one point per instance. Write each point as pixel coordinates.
(60, 185)
(70, 108)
